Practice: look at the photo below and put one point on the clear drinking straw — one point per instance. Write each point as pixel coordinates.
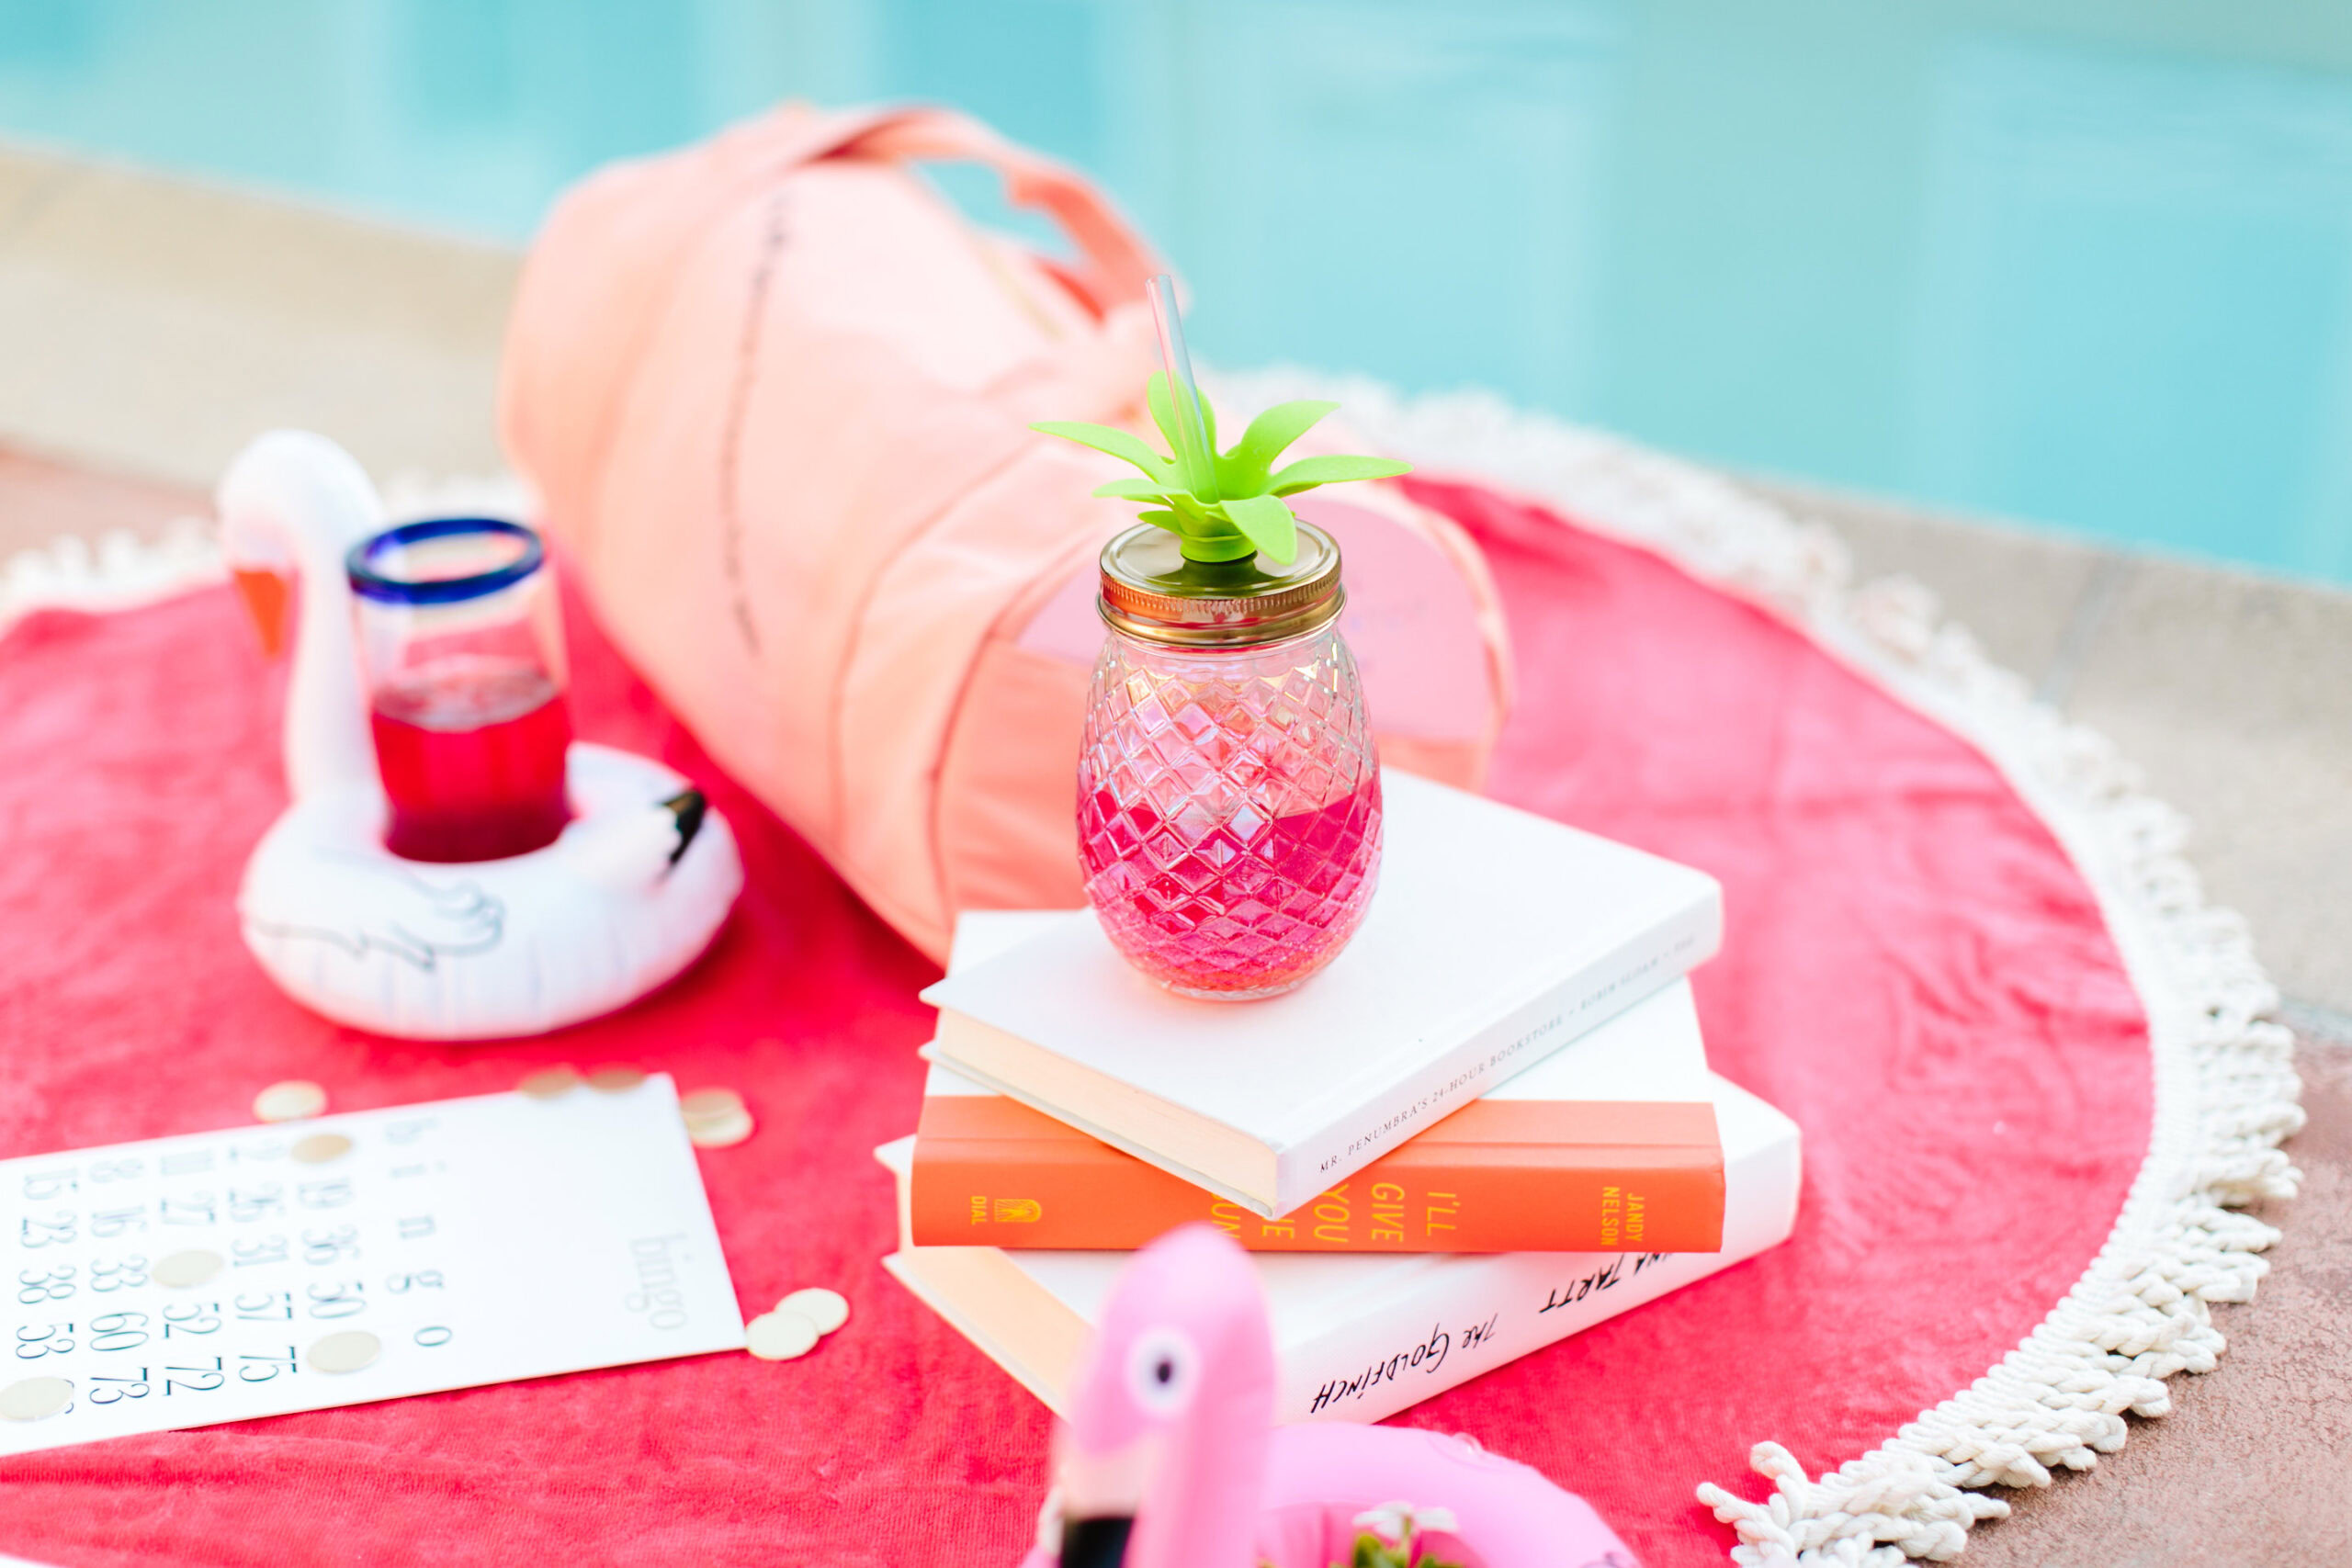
(1200, 462)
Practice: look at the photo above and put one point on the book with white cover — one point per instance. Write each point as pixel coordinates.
(1653, 1051)
(1360, 1337)
(1496, 938)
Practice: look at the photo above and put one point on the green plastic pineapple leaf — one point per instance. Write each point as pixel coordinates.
(1373, 1552)
(1193, 469)
(1244, 467)
(1222, 506)
(1267, 524)
(1120, 444)
(1308, 472)
(1131, 489)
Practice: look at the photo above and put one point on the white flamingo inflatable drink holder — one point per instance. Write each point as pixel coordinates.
(1170, 1460)
(629, 892)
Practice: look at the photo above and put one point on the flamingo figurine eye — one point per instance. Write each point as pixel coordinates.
(1162, 1371)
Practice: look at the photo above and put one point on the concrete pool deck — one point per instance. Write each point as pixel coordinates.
(152, 325)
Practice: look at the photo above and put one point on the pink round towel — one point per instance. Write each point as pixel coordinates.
(1970, 1020)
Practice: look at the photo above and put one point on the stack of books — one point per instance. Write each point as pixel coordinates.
(1488, 1124)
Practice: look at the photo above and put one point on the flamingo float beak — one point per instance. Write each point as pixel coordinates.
(1101, 1494)
(261, 567)
(267, 593)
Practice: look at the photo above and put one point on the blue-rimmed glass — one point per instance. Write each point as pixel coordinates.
(461, 635)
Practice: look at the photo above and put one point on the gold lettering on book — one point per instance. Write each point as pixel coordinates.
(1226, 1217)
(979, 1209)
(1612, 1213)
(1633, 1219)
(1019, 1212)
(1444, 1208)
(1331, 1216)
(1387, 1211)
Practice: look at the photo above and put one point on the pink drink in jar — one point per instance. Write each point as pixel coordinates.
(1228, 792)
(464, 651)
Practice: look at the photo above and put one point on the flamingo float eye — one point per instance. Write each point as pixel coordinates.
(1162, 1371)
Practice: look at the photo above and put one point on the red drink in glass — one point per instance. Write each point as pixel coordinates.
(462, 638)
(471, 751)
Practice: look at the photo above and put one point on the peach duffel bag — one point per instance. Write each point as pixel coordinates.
(774, 392)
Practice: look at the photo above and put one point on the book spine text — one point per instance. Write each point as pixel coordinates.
(996, 1195)
(1565, 1013)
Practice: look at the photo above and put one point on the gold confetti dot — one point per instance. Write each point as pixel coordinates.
(826, 1309)
(719, 1132)
(780, 1336)
(549, 1082)
(182, 1270)
(296, 1099)
(321, 1147)
(32, 1399)
(349, 1351)
(705, 1102)
(615, 1079)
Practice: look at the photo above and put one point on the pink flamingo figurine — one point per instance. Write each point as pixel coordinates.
(1170, 1459)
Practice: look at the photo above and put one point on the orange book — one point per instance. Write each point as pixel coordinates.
(1499, 1175)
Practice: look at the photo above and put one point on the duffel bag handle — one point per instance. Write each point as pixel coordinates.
(1118, 263)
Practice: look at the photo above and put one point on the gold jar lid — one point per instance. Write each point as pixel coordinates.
(1150, 591)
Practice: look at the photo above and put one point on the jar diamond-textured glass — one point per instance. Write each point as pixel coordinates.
(1228, 810)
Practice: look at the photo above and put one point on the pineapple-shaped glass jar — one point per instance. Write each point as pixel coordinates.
(1229, 809)
(1228, 796)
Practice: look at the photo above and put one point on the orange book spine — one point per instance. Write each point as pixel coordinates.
(1497, 1175)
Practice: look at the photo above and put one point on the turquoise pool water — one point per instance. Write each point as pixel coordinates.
(2085, 262)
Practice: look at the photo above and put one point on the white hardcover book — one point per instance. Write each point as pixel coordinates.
(1496, 938)
(1357, 1338)
(1653, 1051)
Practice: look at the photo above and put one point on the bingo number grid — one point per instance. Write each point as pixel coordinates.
(190, 1280)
